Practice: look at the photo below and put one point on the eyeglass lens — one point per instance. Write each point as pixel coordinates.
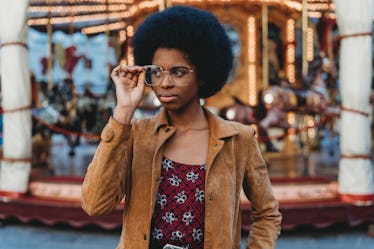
(177, 74)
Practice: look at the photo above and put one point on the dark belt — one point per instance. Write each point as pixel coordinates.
(154, 244)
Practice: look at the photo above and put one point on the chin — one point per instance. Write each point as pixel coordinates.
(172, 107)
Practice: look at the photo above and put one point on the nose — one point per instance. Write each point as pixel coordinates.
(166, 80)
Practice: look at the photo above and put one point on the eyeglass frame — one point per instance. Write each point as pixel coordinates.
(145, 67)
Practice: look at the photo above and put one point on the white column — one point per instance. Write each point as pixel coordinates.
(16, 97)
(356, 177)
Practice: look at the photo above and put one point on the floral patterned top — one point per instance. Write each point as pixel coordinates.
(178, 217)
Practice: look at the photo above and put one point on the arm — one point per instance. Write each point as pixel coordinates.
(266, 219)
(107, 175)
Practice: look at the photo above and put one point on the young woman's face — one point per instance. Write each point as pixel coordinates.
(176, 89)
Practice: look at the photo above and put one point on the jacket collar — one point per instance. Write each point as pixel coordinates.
(219, 128)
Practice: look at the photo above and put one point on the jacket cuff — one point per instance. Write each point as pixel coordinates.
(114, 130)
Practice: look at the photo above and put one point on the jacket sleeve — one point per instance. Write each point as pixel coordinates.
(265, 216)
(105, 181)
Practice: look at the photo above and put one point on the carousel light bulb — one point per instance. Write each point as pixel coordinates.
(130, 30)
(290, 30)
(314, 14)
(122, 35)
(291, 53)
(293, 4)
(251, 26)
(230, 114)
(311, 132)
(291, 73)
(333, 16)
(102, 28)
(118, 11)
(268, 98)
(148, 4)
(309, 47)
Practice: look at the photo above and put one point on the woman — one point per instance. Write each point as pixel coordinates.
(181, 172)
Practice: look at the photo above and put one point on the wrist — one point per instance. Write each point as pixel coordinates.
(123, 115)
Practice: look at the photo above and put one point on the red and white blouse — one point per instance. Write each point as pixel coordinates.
(178, 217)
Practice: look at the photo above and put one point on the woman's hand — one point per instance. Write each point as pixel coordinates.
(129, 83)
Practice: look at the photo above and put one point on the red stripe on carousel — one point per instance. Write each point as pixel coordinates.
(356, 156)
(13, 160)
(358, 199)
(13, 195)
(23, 108)
(64, 131)
(17, 43)
(340, 37)
(343, 108)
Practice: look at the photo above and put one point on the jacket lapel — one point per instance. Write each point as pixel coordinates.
(164, 133)
(219, 129)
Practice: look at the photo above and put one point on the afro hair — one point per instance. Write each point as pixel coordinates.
(197, 33)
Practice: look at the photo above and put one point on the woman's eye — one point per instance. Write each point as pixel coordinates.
(179, 72)
(156, 72)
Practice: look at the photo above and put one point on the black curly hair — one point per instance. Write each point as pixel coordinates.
(197, 33)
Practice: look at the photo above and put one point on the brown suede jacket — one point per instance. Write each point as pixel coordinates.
(127, 163)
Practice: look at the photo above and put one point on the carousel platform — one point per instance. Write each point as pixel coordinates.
(304, 183)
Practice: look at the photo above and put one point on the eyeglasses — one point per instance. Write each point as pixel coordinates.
(178, 75)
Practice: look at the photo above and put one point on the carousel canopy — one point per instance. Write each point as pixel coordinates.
(95, 16)
(80, 29)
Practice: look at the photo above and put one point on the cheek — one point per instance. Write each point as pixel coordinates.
(194, 90)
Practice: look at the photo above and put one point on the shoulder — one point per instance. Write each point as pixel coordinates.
(226, 128)
(243, 130)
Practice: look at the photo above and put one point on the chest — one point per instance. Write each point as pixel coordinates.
(189, 147)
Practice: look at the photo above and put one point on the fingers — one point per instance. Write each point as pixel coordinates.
(129, 74)
(116, 71)
(131, 70)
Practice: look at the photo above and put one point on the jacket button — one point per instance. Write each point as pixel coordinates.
(157, 178)
(211, 197)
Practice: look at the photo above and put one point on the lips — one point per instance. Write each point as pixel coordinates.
(167, 98)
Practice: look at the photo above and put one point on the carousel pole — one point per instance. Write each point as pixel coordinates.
(71, 31)
(16, 99)
(265, 46)
(356, 175)
(49, 49)
(304, 27)
(107, 35)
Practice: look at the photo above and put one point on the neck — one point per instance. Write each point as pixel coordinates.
(191, 119)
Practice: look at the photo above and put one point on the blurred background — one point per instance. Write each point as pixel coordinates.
(302, 77)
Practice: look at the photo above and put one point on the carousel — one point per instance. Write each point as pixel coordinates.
(302, 78)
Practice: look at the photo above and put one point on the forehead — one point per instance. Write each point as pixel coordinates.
(167, 57)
